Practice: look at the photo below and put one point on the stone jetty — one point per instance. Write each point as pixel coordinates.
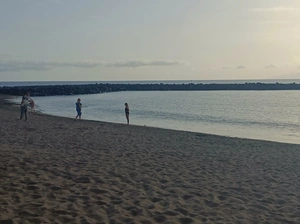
(51, 90)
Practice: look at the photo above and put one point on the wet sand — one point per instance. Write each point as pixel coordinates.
(57, 170)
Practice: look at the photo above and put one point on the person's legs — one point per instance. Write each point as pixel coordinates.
(25, 112)
(127, 117)
(78, 114)
(21, 112)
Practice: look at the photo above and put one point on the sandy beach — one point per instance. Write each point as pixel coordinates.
(57, 170)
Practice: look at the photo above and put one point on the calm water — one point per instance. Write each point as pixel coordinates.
(268, 115)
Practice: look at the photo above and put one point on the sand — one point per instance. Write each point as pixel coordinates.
(57, 170)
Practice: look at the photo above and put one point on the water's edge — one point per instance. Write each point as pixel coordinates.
(15, 101)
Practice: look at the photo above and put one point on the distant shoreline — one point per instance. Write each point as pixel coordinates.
(52, 90)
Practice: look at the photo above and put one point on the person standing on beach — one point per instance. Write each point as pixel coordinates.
(78, 108)
(127, 112)
(31, 102)
(32, 105)
(23, 106)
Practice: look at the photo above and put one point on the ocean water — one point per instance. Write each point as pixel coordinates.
(267, 115)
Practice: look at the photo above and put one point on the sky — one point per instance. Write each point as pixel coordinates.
(108, 40)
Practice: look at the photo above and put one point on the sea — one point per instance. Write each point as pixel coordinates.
(264, 115)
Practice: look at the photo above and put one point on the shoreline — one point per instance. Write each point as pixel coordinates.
(146, 126)
(55, 170)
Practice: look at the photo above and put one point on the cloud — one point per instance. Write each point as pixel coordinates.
(271, 66)
(143, 63)
(238, 67)
(277, 9)
(17, 66)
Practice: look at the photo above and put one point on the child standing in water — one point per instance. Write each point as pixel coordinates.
(78, 108)
(127, 112)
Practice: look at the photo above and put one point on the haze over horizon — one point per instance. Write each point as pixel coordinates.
(61, 40)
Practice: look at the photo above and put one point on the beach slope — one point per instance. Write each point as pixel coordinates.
(57, 170)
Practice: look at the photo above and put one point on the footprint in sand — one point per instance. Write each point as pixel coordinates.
(155, 199)
(98, 191)
(187, 196)
(160, 219)
(101, 203)
(136, 212)
(6, 221)
(186, 220)
(182, 211)
(170, 213)
(222, 198)
(211, 204)
(32, 187)
(55, 188)
(83, 180)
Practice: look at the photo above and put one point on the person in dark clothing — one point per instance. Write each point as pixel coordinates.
(23, 106)
(78, 108)
(127, 112)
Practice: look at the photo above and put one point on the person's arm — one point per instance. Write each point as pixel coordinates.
(22, 100)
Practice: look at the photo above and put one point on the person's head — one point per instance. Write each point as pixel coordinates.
(126, 104)
(78, 100)
(28, 93)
